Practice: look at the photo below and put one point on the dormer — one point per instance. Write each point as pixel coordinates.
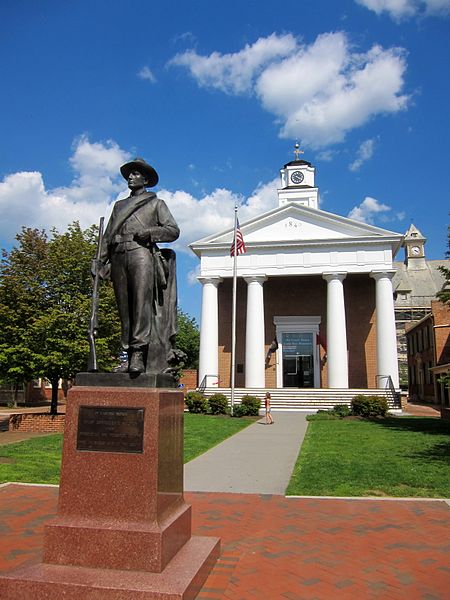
(297, 182)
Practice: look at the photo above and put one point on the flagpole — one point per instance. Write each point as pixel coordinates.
(233, 319)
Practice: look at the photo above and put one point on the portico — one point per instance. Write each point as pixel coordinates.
(315, 285)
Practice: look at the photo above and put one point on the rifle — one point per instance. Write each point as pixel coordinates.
(93, 321)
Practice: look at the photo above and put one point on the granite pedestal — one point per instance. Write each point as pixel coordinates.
(123, 529)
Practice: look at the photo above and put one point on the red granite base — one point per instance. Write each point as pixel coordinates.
(123, 529)
(182, 579)
(131, 546)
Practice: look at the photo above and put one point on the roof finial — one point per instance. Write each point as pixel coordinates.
(297, 151)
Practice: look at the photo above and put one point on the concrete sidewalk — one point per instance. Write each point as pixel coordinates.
(257, 460)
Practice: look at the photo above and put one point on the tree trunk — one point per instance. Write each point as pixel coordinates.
(54, 403)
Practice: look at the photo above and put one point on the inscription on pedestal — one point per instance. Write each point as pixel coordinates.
(110, 429)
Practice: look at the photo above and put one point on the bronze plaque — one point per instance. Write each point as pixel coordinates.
(110, 429)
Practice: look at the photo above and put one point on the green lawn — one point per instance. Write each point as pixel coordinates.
(39, 460)
(202, 432)
(396, 456)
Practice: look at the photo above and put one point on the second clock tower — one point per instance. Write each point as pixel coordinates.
(414, 243)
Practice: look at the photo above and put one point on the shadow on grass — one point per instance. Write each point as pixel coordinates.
(427, 425)
(439, 452)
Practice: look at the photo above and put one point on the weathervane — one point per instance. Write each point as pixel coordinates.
(297, 151)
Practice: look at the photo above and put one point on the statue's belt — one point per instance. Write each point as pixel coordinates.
(129, 237)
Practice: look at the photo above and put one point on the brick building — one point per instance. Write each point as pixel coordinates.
(428, 350)
(416, 282)
(314, 287)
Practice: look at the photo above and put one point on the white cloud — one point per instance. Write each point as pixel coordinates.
(198, 217)
(193, 275)
(437, 7)
(364, 153)
(25, 201)
(368, 208)
(146, 74)
(405, 9)
(317, 92)
(216, 210)
(262, 199)
(235, 73)
(326, 155)
(350, 90)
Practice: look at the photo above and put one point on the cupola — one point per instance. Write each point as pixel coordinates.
(297, 182)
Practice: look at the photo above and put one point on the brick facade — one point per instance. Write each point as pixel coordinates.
(189, 379)
(302, 296)
(428, 342)
(441, 315)
(42, 423)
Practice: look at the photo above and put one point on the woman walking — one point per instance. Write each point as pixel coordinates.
(269, 418)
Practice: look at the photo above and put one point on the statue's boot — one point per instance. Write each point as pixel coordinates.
(137, 362)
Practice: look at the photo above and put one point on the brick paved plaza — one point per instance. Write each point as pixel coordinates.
(284, 548)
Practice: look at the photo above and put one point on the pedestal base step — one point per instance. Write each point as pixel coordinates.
(182, 579)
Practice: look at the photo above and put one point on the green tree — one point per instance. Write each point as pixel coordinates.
(21, 297)
(444, 295)
(49, 322)
(188, 339)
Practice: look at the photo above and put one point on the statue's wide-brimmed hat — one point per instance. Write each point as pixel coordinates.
(139, 164)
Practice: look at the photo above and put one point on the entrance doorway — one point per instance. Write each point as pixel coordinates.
(298, 364)
(298, 360)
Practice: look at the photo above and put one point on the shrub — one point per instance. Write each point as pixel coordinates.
(239, 411)
(218, 404)
(369, 406)
(196, 402)
(341, 410)
(251, 404)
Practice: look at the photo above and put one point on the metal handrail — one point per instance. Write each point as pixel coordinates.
(389, 387)
(201, 388)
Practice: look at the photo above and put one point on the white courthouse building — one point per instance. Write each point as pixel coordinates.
(315, 307)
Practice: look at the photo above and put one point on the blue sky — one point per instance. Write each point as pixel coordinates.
(214, 95)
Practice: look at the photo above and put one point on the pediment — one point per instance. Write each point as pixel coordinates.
(296, 224)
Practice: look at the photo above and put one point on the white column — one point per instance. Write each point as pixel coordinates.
(387, 362)
(255, 337)
(337, 359)
(209, 331)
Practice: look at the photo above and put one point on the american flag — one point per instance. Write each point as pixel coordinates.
(240, 244)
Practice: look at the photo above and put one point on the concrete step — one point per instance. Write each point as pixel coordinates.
(306, 399)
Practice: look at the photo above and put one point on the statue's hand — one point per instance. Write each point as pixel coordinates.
(143, 236)
(103, 271)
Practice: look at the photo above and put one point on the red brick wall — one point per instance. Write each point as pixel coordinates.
(39, 423)
(428, 350)
(189, 379)
(303, 296)
(225, 315)
(359, 293)
(441, 314)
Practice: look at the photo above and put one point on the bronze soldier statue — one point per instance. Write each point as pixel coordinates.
(143, 276)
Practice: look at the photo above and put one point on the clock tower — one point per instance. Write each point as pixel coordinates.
(297, 182)
(414, 243)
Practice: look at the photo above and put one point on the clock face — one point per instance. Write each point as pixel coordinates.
(297, 177)
(415, 250)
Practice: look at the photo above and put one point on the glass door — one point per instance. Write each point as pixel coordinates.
(298, 360)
